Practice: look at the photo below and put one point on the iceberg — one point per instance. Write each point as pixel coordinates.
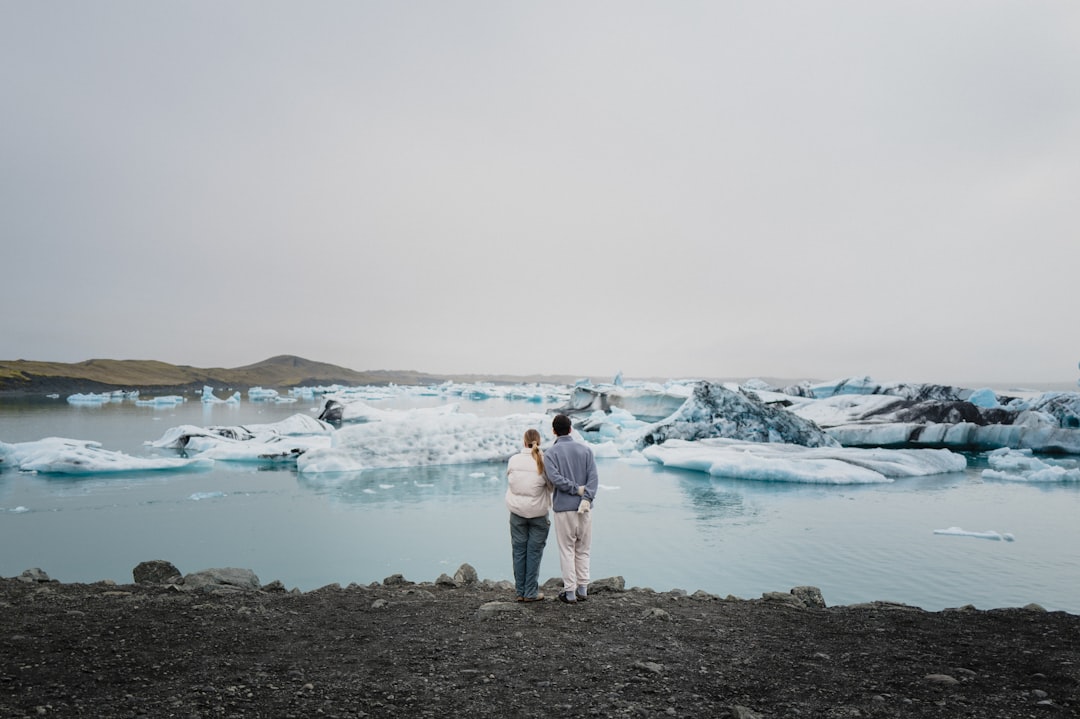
(208, 397)
(89, 398)
(57, 455)
(773, 462)
(168, 400)
(275, 442)
(258, 394)
(1023, 466)
(344, 409)
(647, 402)
(913, 415)
(714, 410)
(426, 439)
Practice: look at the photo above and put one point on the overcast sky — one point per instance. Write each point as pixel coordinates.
(672, 189)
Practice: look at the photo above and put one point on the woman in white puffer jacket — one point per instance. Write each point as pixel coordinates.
(528, 497)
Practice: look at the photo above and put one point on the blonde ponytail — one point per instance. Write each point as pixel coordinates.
(532, 440)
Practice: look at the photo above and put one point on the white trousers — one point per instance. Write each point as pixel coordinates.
(573, 532)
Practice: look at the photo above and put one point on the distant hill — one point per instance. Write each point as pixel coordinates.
(283, 371)
(97, 375)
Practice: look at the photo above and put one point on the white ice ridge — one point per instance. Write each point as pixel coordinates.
(425, 439)
(1020, 465)
(275, 442)
(773, 462)
(56, 455)
(989, 534)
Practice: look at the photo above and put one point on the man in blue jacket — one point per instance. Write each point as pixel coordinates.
(571, 468)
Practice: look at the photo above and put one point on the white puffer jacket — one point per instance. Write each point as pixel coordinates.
(528, 494)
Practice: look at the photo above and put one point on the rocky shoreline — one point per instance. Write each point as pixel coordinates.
(218, 643)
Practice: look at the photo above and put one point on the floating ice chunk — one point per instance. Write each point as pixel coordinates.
(1013, 465)
(56, 455)
(985, 398)
(90, 398)
(168, 400)
(477, 475)
(344, 409)
(197, 496)
(258, 394)
(958, 532)
(794, 463)
(426, 440)
(18, 510)
(274, 442)
(209, 398)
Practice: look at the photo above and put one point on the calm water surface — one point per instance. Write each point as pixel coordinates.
(656, 527)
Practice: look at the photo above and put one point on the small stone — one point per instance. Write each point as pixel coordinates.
(1039, 694)
(741, 712)
(656, 613)
(380, 604)
(650, 667)
(941, 679)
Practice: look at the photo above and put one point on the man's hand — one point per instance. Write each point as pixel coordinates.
(584, 507)
(581, 491)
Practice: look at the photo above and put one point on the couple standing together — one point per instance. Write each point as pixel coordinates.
(564, 479)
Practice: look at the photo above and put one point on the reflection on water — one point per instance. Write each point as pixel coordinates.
(407, 485)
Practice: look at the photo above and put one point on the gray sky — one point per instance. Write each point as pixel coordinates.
(787, 189)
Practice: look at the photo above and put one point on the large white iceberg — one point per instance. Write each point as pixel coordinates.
(793, 463)
(57, 455)
(274, 442)
(425, 439)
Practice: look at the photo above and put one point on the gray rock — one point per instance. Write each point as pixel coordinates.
(227, 579)
(810, 596)
(445, 580)
(396, 580)
(783, 598)
(740, 712)
(465, 575)
(156, 571)
(608, 584)
(33, 575)
(274, 586)
(941, 679)
(652, 667)
(656, 613)
(493, 609)
(380, 604)
(1033, 607)
(703, 596)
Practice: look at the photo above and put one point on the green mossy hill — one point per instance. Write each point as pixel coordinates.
(96, 375)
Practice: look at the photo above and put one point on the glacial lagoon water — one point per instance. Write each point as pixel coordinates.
(656, 527)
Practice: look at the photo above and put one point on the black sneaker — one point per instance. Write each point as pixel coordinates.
(563, 598)
(582, 597)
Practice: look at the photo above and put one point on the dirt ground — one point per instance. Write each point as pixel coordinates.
(426, 650)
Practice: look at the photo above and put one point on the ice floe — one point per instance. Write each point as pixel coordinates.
(1023, 466)
(424, 440)
(274, 442)
(989, 534)
(57, 455)
(792, 463)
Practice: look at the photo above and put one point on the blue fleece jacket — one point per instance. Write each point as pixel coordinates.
(569, 465)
